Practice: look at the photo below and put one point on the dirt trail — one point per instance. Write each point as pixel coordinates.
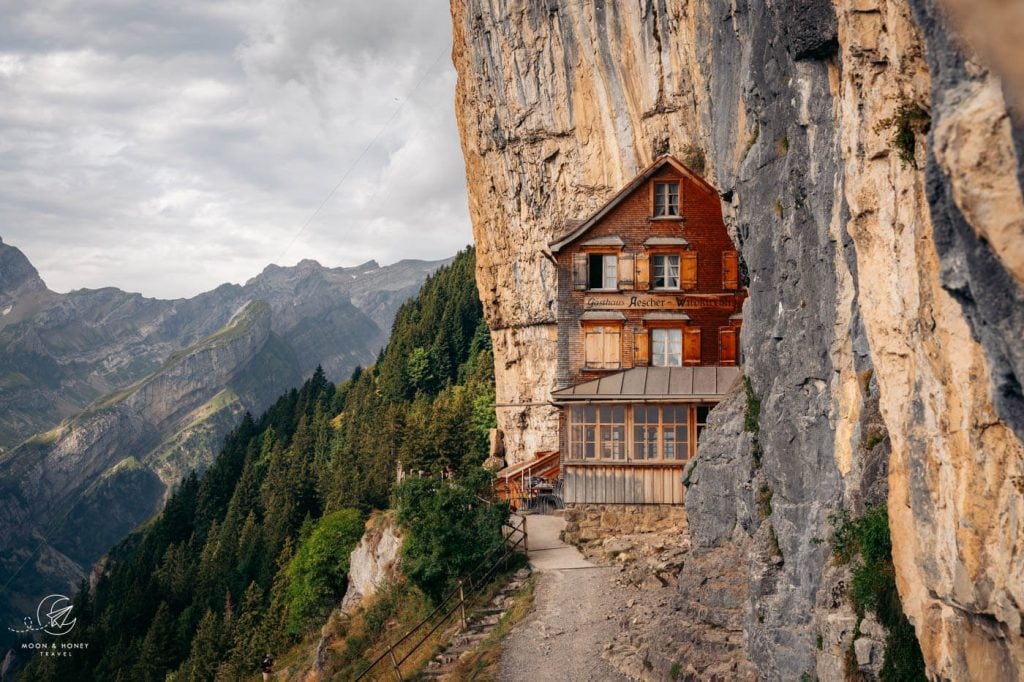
(578, 609)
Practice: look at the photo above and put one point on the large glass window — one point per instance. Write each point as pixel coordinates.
(666, 270)
(635, 433)
(666, 198)
(674, 427)
(646, 427)
(667, 347)
(602, 271)
(598, 432)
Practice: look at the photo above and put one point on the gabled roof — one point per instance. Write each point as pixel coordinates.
(576, 229)
(680, 384)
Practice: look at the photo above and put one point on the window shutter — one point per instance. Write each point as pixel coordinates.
(579, 271)
(730, 270)
(612, 347)
(727, 346)
(643, 271)
(688, 269)
(691, 346)
(642, 348)
(626, 268)
(593, 349)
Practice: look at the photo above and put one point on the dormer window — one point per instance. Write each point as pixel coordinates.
(602, 271)
(666, 199)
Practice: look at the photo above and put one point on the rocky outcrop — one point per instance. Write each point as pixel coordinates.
(374, 563)
(871, 177)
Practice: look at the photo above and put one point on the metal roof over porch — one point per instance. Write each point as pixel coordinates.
(676, 384)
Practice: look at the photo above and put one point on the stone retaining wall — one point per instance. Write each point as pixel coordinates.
(588, 522)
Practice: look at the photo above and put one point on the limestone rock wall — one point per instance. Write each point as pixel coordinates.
(558, 104)
(374, 563)
(866, 270)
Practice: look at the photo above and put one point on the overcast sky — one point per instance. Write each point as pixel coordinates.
(166, 147)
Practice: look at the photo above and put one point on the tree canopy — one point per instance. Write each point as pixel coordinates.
(248, 556)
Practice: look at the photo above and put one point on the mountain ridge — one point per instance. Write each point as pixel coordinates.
(60, 352)
(128, 394)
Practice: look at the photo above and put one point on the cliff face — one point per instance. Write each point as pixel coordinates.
(559, 104)
(870, 176)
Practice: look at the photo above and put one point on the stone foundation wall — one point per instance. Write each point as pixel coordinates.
(589, 522)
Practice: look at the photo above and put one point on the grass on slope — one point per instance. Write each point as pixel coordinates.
(239, 324)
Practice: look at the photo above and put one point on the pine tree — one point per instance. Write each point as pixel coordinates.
(159, 648)
(204, 658)
(248, 643)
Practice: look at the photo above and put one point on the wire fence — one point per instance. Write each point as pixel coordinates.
(455, 601)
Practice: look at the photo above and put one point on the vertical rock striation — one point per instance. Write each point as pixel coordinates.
(871, 176)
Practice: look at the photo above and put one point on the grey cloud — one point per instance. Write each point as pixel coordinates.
(169, 149)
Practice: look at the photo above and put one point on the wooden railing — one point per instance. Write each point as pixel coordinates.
(516, 484)
(455, 601)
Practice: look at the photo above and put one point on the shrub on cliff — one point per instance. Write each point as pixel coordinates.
(866, 543)
(319, 572)
(451, 529)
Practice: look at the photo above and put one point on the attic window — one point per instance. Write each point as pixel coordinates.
(666, 199)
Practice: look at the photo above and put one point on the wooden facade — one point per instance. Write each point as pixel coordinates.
(650, 290)
(616, 484)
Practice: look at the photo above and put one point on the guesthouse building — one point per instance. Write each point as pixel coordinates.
(649, 298)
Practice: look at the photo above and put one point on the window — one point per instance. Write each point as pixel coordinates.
(598, 432)
(601, 346)
(646, 423)
(674, 427)
(602, 271)
(666, 199)
(667, 347)
(660, 433)
(666, 271)
(702, 419)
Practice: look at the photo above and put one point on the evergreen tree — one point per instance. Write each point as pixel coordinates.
(159, 648)
(204, 657)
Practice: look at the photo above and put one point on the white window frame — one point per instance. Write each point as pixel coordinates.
(609, 272)
(663, 207)
(666, 345)
(662, 262)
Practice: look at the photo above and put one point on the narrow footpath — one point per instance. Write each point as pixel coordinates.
(577, 610)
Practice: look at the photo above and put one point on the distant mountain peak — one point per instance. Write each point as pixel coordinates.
(17, 274)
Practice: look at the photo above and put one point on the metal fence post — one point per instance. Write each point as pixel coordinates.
(398, 671)
(462, 605)
(526, 542)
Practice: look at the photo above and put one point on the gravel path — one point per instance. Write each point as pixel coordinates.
(577, 610)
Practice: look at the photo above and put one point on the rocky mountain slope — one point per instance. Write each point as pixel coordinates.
(60, 352)
(172, 378)
(870, 174)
